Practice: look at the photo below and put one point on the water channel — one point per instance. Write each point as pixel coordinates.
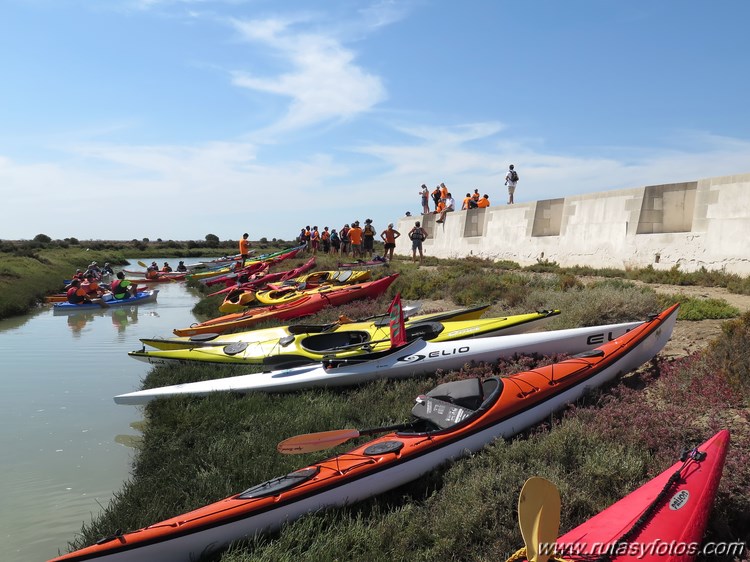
(66, 446)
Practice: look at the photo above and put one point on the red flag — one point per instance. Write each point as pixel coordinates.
(396, 322)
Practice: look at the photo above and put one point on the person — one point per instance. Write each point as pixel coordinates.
(425, 193)
(450, 205)
(368, 238)
(466, 204)
(436, 196)
(345, 242)
(440, 207)
(301, 237)
(308, 238)
(417, 235)
(389, 236)
(314, 240)
(181, 267)
(152, 271)
(92, 269)
(244, 248)
(166, 268)
(483, 202)
(335, 242)
(511, 179)
(475, 197)
(75, 294)
(90, 287)
(443, 191)
(355, 236)
(123, 288)
(325, 240)
(107, 270)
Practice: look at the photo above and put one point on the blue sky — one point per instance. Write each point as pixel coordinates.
(173, 119)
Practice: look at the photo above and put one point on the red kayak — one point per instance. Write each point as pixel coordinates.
(663, 520)
(303, 307)
(230, 279)
(162, 278)
(253, 284)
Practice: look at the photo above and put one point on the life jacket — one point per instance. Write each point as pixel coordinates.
(369, 230)
(74, 297)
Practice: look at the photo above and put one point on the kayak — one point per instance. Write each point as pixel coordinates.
(232, 268)
(162, 278)
(663, 520)
(414, 359)
(451, 421)
(62, 297)
(284, 331)
(307, 305)
(321, 282)
(261, 281)
(140, 298)
(258, 268)
(345, 341)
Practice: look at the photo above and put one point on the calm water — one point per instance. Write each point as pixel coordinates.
(64, 442)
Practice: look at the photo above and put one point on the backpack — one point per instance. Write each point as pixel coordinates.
(369, 230)
(418, 234)
(513, 176)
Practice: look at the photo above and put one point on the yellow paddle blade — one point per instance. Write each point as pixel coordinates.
(139, 262)
(539, 517)
(310, 442)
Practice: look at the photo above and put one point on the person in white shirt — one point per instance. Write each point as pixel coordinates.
(511, 179)
(450, 205)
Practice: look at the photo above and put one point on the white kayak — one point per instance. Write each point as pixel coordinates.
(416, 358)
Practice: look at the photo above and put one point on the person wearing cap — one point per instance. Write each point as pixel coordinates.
(425, 193)
(389, 236)
(417, 235)
(355, 236)
(181, 266)
(166, 268)
(107, 269)
(152, 271)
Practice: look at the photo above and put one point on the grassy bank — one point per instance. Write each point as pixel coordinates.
(195, 451)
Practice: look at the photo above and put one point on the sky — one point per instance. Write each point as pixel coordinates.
(173, 119)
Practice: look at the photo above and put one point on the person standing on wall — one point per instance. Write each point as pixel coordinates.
(425, 194)
(511, 179)
(244, 248)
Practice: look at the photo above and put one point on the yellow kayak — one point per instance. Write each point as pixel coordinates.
(347, 340)
(215, 339)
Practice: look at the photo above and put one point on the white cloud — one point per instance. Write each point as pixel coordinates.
(323, 80)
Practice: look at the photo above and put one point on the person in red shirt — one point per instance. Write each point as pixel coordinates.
(389, 236)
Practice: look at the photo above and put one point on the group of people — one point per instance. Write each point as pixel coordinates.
(88, 286)
(153, 271)
(444, 203)
(356, 241)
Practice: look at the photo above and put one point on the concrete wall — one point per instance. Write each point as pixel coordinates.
(705, 223)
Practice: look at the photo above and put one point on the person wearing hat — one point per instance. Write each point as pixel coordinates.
(368, 238)
(107, 269)
(166, 268)
(152, 271)
(425, 193)
(181, 266)
(389, 236)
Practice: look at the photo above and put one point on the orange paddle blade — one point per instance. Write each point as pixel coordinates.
(311, 442)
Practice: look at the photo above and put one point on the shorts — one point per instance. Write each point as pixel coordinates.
(356, 247)
(416, 244)
(368, 243)
(389, 245)
(511, 189)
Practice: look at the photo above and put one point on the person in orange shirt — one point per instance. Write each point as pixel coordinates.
(443, 191)
(483, 202)
(314, 240)
(389, 236)
(244, 248)
(466, 205)
(355, 236)
(440, 207)
(475, 196)
(325, 238)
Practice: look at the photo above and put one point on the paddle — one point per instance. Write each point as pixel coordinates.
(539, 517)
(311, 442)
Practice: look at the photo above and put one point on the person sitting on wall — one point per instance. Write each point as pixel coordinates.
(483, 202)
(449, 206)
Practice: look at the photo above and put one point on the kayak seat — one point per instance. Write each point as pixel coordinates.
(453, 402)
(423, 330)
(332, 340)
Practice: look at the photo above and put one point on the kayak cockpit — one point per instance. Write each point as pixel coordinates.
(454, 403)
